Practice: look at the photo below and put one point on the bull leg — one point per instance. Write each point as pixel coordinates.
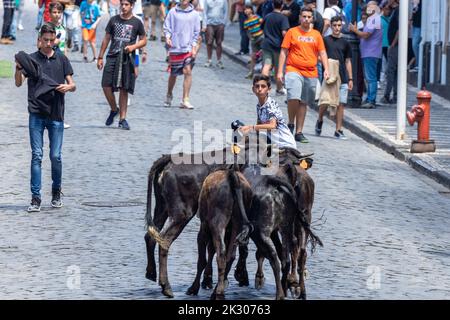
(268, 249)
(231, 249)
(292, 280)
(286, 235)
(259, 276)
(150, 245)
(202, 241)
(241, 274)
(170, 232)
(302, 265)
(207, 282)
(219, 243)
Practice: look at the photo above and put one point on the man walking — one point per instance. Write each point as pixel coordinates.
(300, 50)
(391, 75)
(122, 30)
(182, 30)
(46, 110)
(371, 47)
(338, 49)
(215, 16)
(8, 14)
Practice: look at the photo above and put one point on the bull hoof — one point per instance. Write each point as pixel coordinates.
(259, 281)
(167, 290)
(241, 277)
(207, 283)
(151, 276)
(192, 291)
(302, 296)
(215, 296)
(280, 297)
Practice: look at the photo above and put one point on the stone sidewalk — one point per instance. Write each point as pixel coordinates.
(378, 126)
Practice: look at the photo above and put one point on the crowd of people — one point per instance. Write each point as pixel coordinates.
(301, 50)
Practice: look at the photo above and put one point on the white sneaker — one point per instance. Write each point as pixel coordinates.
(208, 64)
(185, 104)
(66, 125)
(281, 92)
(128, 101)
(20, 27)
(168, 101)
(220, 65)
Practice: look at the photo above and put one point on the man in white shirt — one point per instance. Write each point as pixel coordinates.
(330, 12)
(215, 16)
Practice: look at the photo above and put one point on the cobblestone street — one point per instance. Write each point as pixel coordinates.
(384, 225)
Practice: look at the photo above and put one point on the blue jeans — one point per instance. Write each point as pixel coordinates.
(244, 37)
(370, 72)
(37, 125)
(416, 37)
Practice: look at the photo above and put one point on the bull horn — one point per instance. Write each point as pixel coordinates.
(154, 233)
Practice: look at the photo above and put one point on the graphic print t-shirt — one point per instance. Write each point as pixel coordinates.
(123, 33)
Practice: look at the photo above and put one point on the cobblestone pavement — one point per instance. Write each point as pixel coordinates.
(385, 235)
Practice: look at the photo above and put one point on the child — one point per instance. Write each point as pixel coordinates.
(90, 13)
(269, 115)
(255, 32)
(56, 11)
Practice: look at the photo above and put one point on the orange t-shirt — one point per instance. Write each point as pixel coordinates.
(303, 49)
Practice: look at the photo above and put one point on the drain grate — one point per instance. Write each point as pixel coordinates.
(116, 204)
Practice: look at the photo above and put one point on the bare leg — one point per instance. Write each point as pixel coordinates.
(123, 103)
(171, 85)
(293, 105)
(300, 117)
(219, 51)
(339, 116)
(209, 50)
(187, 83)
(109, 94)
(94, 50)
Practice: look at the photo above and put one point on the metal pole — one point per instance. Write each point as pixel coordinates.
(402, 69)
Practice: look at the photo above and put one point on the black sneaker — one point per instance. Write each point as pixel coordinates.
(123, 124)
(291, 127)
(56, 198)
(319, 127)
(340, 135)
(301, 138)
(35, 205)
(76, 48)
(111, 117)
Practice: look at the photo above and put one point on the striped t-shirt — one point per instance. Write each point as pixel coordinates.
(253, 26)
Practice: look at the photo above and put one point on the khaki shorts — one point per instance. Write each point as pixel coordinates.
(215, 32)
(151, 11)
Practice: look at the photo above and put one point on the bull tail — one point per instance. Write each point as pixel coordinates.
(154, 173)
(301, 215)
(247, 228)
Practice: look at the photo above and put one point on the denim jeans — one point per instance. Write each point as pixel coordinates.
(370, 73)
(71, 17)
(415, 43)
(244, 37)
(37, 125)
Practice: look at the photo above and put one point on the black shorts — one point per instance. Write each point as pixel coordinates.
(107, 78)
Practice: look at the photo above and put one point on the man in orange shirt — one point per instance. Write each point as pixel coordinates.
(301, 47)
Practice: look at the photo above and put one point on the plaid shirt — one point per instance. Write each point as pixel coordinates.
(9, 4)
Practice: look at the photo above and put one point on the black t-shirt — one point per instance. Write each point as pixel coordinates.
(339, 49)
(154, 2)
(417, 16)
(123, 33)
(274, 24)
(393, 25)
(318, 21)
(295, 13)
(57, 67)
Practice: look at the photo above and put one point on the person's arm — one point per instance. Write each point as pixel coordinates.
(225, 12)
(281, 62)
(67, 87)
(18, 75)
(395, 41)
(348, 65)
(105, 43)
(168, 29)
(360, 34)
(139, 44)
(195, 38)
(272, 125)
(324, 58)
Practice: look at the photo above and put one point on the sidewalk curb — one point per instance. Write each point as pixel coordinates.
(399, 152)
